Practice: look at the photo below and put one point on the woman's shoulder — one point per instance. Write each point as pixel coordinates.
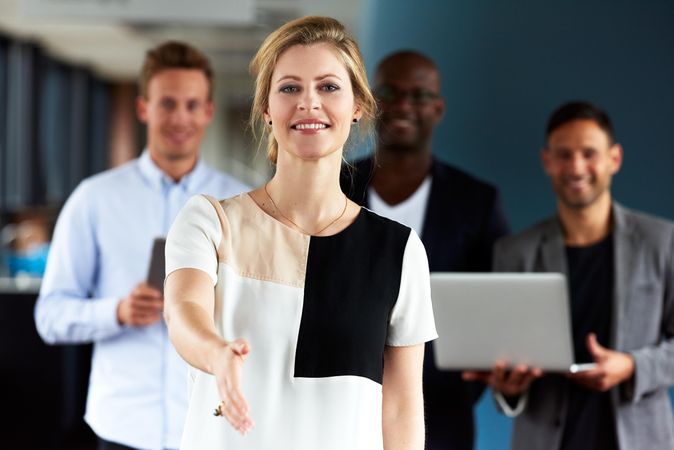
(205, 206)
(208, 214)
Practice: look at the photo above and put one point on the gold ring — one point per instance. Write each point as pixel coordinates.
(219, 410)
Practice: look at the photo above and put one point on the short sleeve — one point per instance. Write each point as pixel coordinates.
(193, 239)
(412, 320)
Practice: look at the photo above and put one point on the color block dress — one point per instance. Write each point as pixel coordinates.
(317, 312)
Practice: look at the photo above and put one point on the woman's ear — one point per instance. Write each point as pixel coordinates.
(357, 114)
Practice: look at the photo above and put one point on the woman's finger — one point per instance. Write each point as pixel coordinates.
(235, 408)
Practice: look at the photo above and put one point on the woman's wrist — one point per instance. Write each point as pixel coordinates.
(215, 352)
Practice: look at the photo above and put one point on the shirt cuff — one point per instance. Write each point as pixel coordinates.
(105, 315)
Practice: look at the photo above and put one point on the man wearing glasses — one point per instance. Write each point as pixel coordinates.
(457, 216)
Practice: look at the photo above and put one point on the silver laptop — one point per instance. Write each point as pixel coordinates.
(517, 317)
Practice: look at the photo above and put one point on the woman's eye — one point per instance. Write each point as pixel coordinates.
(289, 89)
(329, 87)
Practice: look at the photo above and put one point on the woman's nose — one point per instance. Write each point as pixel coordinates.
(309, 100)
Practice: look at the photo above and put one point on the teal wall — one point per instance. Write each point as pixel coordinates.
(507, 65)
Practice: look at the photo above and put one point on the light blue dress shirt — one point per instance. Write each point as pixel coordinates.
(100, 252)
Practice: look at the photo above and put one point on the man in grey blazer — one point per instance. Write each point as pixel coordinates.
(620, 268)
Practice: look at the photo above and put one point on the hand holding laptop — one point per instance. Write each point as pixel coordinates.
(610, 368)
(521, 319)
(518, 318)
(509, 382)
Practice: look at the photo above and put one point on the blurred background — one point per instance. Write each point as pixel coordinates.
(68, 72)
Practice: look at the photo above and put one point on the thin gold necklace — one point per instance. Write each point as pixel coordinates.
(299, 227)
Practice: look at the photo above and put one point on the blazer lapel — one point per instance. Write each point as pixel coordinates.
(553, 256)
(433, 213)
(624, 251)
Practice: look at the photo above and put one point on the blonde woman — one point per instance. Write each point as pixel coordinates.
(302, 314)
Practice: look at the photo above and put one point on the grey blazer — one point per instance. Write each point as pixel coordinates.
(642, 325)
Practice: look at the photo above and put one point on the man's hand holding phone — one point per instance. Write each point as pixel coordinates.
(143, 306)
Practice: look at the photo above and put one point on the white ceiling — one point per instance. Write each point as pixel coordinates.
(115, 50)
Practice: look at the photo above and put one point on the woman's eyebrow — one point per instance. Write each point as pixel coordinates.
(288, 77)
(296, 78)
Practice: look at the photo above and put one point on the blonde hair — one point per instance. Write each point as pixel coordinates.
(307, 31)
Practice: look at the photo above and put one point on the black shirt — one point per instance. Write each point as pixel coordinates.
(589, 420)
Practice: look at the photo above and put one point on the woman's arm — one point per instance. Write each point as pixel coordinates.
(403, 404)
(188, 310)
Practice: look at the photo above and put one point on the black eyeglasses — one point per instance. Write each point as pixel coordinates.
(390, 94)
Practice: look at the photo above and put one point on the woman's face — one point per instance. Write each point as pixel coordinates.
(311, 103)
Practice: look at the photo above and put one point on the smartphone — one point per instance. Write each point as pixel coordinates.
(156, 271)
(577, 368)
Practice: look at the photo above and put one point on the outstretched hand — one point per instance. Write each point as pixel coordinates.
(227, 367)
(612, 367)
(510, 383)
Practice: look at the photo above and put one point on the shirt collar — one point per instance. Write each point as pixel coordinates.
(158, 179)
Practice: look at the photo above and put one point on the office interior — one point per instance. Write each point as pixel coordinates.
(67, 91)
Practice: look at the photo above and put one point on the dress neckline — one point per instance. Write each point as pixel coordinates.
(271, 218)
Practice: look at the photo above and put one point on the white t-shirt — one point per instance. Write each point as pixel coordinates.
(410, 212)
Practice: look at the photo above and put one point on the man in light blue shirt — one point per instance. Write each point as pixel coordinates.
(94, 287)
